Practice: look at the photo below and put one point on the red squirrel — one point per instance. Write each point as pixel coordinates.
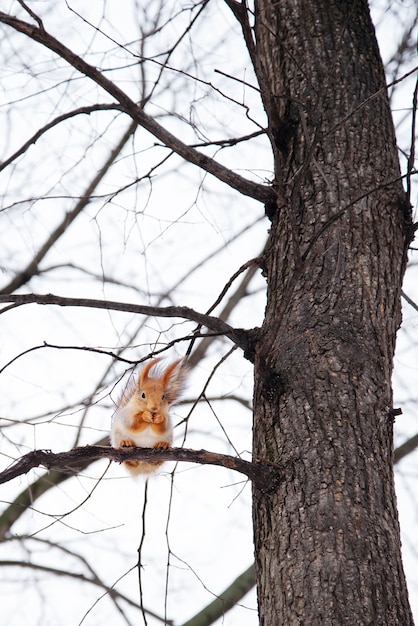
(142, 416)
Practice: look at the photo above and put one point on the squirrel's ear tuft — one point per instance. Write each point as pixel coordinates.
(174, 378)
(144, 375)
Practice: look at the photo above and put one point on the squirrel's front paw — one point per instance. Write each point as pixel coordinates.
(147, 416)
(127, 443)
(152, 418)
(162, 444)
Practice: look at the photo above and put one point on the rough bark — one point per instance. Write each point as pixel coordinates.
(327, 540)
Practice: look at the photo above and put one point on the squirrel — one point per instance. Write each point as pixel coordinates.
(142, 415)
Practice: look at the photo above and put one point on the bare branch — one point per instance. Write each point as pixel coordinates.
(230, 142)
(87, 110)
(27, 497)
(263, 193)
(226, 600)
(263, 475)
(409, 301)
(57, 347)
(411, 158)
(406, 448)
(231, 303)
(238, 336)
(32, 14)
(94, 580)
(33, 266)
(219, 299)
(239, 10)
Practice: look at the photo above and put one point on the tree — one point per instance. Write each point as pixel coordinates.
(324, 360)
(326, 534)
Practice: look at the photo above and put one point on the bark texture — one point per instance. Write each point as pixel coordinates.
(327, 540)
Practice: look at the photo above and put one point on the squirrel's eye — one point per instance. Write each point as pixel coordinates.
(162, 397)
(143, 394)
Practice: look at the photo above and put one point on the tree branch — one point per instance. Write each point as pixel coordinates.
(28, 496)
(86, 110)
(409, 300)
(263, 475)
(94, 580)
(226, 600)
(33, 266)
(263, 193)
(239, 336)
(405, 448)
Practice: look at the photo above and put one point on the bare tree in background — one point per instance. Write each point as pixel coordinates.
(220, 180)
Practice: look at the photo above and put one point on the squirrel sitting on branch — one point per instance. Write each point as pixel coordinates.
(142, 417)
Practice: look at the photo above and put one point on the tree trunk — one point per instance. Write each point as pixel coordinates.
(327, 539)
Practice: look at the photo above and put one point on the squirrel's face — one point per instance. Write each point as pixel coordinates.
(153, 400)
